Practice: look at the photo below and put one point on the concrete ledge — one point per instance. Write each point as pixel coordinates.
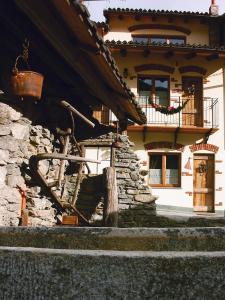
(27, 273)
(123, 239)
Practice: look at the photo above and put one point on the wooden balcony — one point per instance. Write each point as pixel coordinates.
(195, 117)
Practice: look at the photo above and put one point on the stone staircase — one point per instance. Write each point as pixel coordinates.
(112, 263)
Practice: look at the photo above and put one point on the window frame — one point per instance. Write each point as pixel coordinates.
(164, 155)
(154, 77)
(167, 37)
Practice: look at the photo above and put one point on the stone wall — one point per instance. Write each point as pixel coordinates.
(24, 132)
(19, 139)
(136, 202)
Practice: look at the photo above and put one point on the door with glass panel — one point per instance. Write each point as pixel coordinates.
(155, 89)
(192, 114)
(164, 169)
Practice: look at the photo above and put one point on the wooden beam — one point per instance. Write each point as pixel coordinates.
(110, 211)
(170, 19)
(45, 20)
(213, 56)
(191, 55)
(146, 52)
(123, 52)
(137, 17)
(169, 54)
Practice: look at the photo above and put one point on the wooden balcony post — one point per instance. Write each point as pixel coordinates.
(110, 211)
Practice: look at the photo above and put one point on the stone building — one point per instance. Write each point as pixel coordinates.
(65, 47)
(173, 61)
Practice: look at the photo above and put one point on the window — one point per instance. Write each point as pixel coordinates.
(179, 40)
(164, 169)
(154, 87)
(99, 153)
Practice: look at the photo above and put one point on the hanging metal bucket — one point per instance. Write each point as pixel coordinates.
(27, 84)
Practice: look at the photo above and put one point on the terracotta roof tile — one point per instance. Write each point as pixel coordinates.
(92, 26)
(164, 45)
(109, 11)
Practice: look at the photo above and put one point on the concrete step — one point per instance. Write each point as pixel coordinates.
(28, 273)
(122, 239)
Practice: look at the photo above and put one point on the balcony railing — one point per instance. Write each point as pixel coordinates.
(205, 114)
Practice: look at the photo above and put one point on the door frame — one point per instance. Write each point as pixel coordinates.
(213, 185)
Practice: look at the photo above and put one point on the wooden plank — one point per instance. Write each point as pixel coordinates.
(110, 211)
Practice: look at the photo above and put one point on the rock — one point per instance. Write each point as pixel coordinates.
(4, 130)
(46, 142)
(3, 172)
(35, 140)
(19, 131)
(132, 192)
(122, 176)
(44, 166)
(13, 170)
(122, 164)
(4, 157)
(134, 176)
(145, 198)
(8, 114)
(9, 143)
(15, 181)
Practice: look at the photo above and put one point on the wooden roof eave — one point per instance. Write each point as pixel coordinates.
(41, 17)
(164, 49)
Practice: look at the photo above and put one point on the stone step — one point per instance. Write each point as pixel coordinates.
(28, 273)
(123, 239)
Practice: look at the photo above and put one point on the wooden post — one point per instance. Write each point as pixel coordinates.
(110, 211)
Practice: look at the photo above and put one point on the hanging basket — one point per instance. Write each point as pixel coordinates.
(26, 83)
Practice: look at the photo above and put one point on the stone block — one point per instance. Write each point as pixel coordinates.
(132, 192)
(3, 172)
(9, 143)
(8, 114)
(20, 131)
(4, 157)
(144, 198)
(15, 180)
(4, 130)
(122, 176)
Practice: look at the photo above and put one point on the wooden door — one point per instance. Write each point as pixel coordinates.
(192, 114)
(203, 183)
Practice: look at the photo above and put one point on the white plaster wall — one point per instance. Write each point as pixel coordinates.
(119, 29)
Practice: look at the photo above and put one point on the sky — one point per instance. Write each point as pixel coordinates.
(96, 7)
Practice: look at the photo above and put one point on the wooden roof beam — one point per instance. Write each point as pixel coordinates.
(190, 55)
(213, 56)
(169, 54)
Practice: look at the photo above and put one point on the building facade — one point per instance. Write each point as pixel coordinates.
(174, 64)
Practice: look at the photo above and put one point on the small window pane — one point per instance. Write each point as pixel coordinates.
(172, 169)
(158, 40)
(161, 91)
(145, 88)
(179, 41)
(155, 172)
(140, 39)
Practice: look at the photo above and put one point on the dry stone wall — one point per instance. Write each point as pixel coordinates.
(136, 202)
(19, 139)
(23, 135)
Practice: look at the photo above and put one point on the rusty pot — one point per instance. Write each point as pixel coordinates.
(27, 84)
